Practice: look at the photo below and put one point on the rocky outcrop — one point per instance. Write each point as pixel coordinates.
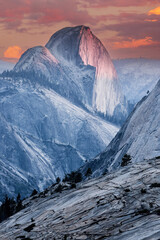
(119, 206)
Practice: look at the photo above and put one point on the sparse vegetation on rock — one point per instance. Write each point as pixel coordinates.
(10, 206)
(89, 172)
(59, 188)
(73, 177)
(58, 180)
(34, 193)
(125, 160)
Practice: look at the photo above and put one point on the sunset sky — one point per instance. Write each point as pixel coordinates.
(127, 28)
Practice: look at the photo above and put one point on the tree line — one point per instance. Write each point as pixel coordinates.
(10, 206)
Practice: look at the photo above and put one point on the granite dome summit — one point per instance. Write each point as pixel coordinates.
(85, 70)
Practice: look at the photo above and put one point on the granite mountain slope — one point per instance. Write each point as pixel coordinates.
(43, 136)
(139, 136)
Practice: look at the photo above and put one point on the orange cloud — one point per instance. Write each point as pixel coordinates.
(151, 20)
(133, 43)
(13, 52)
(155, 11)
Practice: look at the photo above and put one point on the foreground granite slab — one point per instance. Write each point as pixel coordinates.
(121, 205)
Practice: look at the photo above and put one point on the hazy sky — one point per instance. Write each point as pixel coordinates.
(127, 28)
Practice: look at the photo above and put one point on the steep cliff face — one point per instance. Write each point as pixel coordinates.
(139, 136)
(106, 92)
(78, 46)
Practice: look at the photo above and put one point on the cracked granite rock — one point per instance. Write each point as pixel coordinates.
(121, 205)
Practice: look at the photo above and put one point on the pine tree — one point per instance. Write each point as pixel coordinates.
(19, 205)
(58, 180)
(89, 172)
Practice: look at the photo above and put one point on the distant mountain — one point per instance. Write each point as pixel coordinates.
(139, 136)
(78, 46)
(137, 76)
(74, 84)
(79, 68)
(4, 66)
(38, 59)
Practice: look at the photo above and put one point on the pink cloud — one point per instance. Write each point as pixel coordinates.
(42, 12)
(117, 3)
(47, 12)
(128, 27)
(136, 28)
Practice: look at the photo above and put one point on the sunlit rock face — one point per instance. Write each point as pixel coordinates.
(106, 93)
(77, 46)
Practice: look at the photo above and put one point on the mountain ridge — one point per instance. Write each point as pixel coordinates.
(84, 72)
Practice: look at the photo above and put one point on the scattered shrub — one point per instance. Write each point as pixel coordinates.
(89, 172)
(58, 180)
(73, 185)
(143, 191)
(29, 228)
(125, 160)
(65, 237)
(34, 193)
(73, 177)
(127, 190)
(59, 188)
(143, 212)
(105, 172)
(151, 205)
(155, 185)
(157, 212)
